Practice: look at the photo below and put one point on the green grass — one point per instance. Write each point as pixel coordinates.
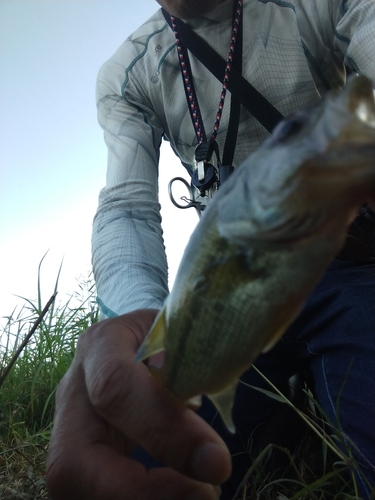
(321, 467)
(27, 394)
(316, 469)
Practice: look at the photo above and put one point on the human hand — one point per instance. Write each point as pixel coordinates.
(106, 404)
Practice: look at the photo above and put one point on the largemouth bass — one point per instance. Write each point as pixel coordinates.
(263, 244)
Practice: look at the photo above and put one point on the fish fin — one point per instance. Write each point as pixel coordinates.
(273, 341)
(195, 403)
(154, 342)
(224, 401)
(270, 344)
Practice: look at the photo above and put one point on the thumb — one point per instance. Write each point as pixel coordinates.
(129, 398)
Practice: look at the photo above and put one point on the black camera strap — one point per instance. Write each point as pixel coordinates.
(243, 92)
(235, 103)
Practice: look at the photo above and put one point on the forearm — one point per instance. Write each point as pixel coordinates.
(128, 255)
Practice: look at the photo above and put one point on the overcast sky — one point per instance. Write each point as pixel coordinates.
(52, 154)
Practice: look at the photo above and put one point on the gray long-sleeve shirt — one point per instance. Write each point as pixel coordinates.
(293, 52)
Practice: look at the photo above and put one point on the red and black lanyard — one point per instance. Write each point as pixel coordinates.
(207, 145)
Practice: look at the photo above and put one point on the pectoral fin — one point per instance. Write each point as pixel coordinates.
(282, 321)
(195, 403)
(270, 344)
(154, 342)
(224, 403)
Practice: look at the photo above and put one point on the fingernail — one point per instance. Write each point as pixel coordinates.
(206, 492)
(210, 463)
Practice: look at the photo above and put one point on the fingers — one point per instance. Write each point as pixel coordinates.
(123, 479)
(127, 396)
(106, 404)
(84, 463)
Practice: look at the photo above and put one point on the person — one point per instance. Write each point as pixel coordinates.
(106, 405)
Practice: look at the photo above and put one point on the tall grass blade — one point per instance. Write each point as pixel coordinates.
(6, 371)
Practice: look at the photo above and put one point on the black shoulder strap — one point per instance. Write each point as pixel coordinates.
(239, 87)
(235, 104)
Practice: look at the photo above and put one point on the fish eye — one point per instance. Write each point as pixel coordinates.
(288, 128)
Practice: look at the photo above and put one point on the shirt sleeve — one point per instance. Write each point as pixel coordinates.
(354, 35)
(128, 254)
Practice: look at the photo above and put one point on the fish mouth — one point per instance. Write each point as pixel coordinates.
(361, 100)
(350, 116)
(365, 114)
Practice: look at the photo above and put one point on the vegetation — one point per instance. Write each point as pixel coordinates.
(27, 393)
(316, 469)
(321, 467)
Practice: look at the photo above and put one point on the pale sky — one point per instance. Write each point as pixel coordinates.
(52, 154)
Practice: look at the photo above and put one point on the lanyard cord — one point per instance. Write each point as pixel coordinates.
(187, 79)
(191, 97)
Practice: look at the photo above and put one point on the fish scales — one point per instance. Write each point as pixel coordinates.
(263, 244)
